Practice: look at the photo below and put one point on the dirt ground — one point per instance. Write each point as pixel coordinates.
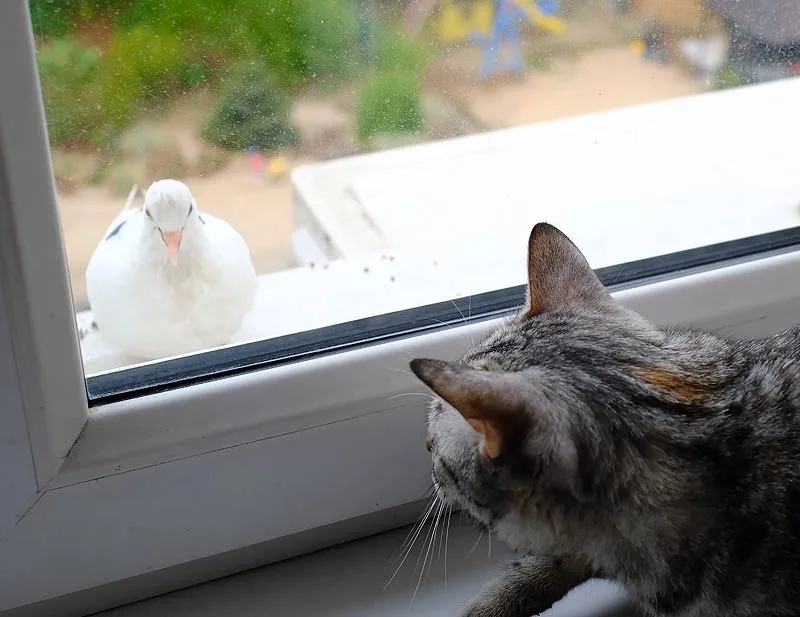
(261, 209)
(597, 81)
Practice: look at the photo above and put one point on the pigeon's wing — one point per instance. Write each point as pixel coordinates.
(130, 209)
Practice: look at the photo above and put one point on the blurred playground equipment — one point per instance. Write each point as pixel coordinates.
(460, 21)
(504, 35)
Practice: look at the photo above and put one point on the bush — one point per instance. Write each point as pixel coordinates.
(69, 73)
(50, 18)
(328, 36)
(55, 18)
(297, 39)
(160, 48)
(727, 77)
(396, 52)
(143, 65)
(252, 113)
(389, 103)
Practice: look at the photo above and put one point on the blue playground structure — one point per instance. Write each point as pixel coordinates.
(509, 15)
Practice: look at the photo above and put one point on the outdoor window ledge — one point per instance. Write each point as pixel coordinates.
(623, 184)
(325, 294)
(422, 224)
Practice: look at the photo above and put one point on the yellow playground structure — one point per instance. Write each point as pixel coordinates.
(458, 22)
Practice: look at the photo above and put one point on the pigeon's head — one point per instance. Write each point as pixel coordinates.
(169, 206)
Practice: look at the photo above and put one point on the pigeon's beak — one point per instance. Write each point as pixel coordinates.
(172, 239)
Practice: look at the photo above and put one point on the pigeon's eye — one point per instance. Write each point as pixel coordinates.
(191, 208)
(147, 212)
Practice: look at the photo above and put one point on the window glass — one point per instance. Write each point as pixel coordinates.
(205, 152)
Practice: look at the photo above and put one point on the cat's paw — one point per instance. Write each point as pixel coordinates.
(478, 611)
(480, 608)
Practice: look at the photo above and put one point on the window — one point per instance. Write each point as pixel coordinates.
(260, 111)
(384, 180)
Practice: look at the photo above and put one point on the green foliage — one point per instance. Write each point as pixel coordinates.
(159, 48)
(327, 33)
(727, 77)
(193, 74)
(540, 61)
(143, 65)
(55, 18)
(252, 113)
(297, 39)
(396, 52)
(389, 103)
(51, 18)
(69, 73)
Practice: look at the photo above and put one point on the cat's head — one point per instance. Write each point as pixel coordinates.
(531, 408)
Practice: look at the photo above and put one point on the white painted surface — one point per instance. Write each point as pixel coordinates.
(163, 480)
(349, 581)
(664, 177)
(122, 525)
(624, 185)
(17, 478)
(33, 268)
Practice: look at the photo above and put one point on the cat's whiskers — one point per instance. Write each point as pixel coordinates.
(430, 396)
(450, 325)
(441, 539)
(474, 546)
(619, 274)
(427, 551)
(430, 502)
(428, 535)
(399, 370)
(466, 322)
(409, 545)
(446, 536)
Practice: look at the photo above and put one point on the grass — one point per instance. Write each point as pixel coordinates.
(540, 61)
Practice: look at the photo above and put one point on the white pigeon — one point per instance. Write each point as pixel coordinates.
(167, 279)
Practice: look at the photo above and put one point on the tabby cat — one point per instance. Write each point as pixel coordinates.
(600, 446)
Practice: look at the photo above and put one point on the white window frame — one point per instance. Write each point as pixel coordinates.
(102, 497)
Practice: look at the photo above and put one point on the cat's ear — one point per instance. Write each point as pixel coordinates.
(492, 402)
(559, 277)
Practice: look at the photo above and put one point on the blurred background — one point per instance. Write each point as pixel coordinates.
(231, 95)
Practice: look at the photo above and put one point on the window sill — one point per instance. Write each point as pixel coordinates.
(154, 482)
(349, 581)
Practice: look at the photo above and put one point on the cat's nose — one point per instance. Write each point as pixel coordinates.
(429, 445)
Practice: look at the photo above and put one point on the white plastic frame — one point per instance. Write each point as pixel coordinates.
(33, 271)
(189, 474)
